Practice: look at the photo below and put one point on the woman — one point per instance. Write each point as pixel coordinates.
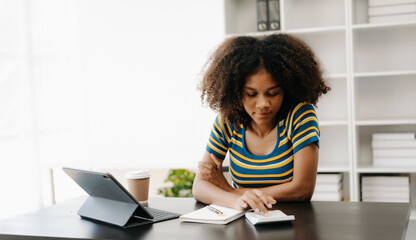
(264, 89)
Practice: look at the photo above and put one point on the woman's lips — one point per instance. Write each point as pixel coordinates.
(263, 114)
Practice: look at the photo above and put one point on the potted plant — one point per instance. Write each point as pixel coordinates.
(181, 181)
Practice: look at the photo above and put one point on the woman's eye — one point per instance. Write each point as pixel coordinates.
(274, 94)
(251, 94)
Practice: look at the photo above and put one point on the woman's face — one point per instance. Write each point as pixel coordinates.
(262, 98)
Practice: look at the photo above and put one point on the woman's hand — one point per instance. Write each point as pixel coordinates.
(255, 199)
(211, 171)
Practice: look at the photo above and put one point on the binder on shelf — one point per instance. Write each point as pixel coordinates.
(274, 15)
(262, 19)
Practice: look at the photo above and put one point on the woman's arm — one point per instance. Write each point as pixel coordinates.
(210, 186)
(302, 186)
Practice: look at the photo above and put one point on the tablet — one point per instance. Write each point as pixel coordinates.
(110, 202)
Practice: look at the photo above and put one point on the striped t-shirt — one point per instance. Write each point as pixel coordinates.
(299, 129)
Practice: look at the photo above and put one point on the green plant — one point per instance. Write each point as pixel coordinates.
(182, 181)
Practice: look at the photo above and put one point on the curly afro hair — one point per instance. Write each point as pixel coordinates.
(288, 59)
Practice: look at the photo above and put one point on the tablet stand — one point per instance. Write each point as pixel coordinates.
(113, 212)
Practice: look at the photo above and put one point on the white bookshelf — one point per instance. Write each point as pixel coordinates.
(371, 69)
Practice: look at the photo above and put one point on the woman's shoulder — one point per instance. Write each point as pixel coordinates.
(298, 112)
(301, 108)
(223, 122)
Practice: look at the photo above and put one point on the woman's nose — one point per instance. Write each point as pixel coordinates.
(262, 101)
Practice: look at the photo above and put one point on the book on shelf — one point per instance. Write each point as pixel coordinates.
(213, 214)
(394, 152)
(388, 11)
(386, 195)
(386, 200)
(394, 144)
(328, 178)
(385, 189)
(394, 161)
(392, 9)
(378, 3)
(409, 17)
(274, 216)
(394, 136)
(391, 189)
(328, 196)
(386, 192)
(328, 187)
(394, 149)
(385, 180)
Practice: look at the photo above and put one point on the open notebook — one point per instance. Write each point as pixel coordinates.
(207, 215)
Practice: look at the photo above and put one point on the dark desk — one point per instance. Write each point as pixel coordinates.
(315, 220)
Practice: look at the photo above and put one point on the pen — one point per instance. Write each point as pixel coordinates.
(214, 210)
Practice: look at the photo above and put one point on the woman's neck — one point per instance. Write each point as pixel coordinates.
(262, 130)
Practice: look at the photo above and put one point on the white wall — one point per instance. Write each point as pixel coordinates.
(100, 83)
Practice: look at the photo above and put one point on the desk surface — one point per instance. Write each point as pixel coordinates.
(314, 220)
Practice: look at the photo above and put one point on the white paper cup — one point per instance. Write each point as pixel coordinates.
(138, 184)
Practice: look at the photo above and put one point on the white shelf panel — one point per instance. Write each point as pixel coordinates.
(385, 122)
(384, 74)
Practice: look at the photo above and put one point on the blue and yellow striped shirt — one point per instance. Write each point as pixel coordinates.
(299, 129)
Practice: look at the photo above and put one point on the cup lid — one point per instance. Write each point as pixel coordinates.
(139, 174)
